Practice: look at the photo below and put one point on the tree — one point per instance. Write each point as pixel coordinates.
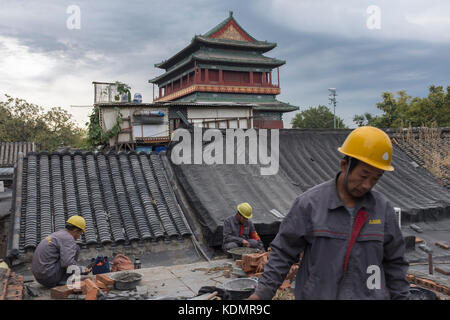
(96, 135)
(364, 120)
(407, 111)
(23, 121)
(320, 117)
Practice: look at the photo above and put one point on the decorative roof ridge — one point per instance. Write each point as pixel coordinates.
(264, 43)
(223, 24)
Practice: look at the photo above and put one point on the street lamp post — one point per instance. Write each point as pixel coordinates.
(332, 98)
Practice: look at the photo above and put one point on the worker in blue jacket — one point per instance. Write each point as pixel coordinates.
(352, 244)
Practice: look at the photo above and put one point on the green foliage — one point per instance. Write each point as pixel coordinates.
(96, 135)
(320, 117)
(407, 111)
(122, 88)
(23, 121)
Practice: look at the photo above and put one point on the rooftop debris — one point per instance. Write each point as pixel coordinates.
(427, 283)
(443, 245)
(11, 285)
(226, 268)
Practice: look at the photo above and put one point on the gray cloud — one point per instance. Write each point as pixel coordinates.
(325, 45)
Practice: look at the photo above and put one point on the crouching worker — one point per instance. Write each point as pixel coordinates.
(239, 231)
(56, 252)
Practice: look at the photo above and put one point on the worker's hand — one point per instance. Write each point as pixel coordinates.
(245, 243)
(254, 297)
(85, 270)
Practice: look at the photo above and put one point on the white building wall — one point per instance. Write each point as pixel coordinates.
(215, 117)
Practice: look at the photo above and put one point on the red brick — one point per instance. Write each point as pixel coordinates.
(443, 245)
(91, 290)
(102, 286)
(105, 279)
(81, 289)
(61, 292)
(285, 285)
(5, 284)
(443, 271)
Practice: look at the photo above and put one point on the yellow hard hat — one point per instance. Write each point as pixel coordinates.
(77, 221)
(245, 210)
(370, 145)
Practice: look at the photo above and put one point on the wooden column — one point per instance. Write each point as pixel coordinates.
(206, 76)
(270, 78)
(195, 72)
(220, 76)
(278, 72)
(251, 77)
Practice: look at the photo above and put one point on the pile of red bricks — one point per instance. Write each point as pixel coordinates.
(253, 265)
(427, 283)
(11, 285)
(88, 287)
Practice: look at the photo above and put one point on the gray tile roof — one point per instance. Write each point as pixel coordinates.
(307, 158)
(9, 152)
(123, 197)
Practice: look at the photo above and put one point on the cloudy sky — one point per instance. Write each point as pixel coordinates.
(359, 47)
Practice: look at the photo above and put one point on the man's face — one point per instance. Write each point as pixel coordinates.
(361, 179)
(77, 234)
(241, 219)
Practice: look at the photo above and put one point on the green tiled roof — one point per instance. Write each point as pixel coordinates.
(261, 46)
(267, 103)
(221, 56)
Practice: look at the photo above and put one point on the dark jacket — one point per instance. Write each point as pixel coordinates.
(232, 230)
(52, 257)
(320, 225)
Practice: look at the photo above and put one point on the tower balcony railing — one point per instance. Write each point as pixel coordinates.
(222, 86)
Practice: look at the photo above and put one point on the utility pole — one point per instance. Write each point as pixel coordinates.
(332, 98)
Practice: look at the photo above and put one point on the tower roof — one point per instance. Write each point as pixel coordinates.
(229, 29)
(227, 34)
